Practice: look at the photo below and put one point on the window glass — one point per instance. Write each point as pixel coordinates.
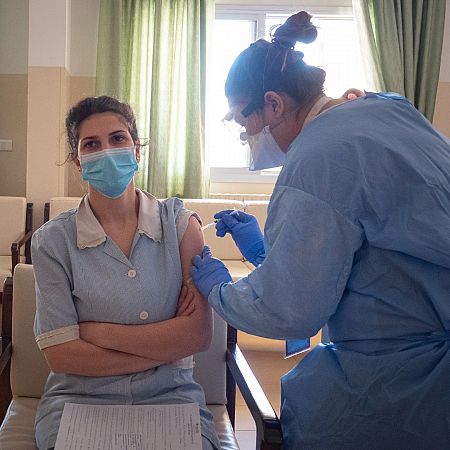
(230, 38)
(335, 50)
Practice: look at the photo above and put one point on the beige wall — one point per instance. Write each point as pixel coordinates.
(13, 125)
(13, 94)
(441, 118)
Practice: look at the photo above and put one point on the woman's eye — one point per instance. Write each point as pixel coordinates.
(119, 138)
(89, 144)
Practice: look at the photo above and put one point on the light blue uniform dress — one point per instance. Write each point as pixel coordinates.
(358, 236)
(81, 275)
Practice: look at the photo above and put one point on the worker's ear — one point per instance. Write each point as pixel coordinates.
(137, 144)
(275, 103)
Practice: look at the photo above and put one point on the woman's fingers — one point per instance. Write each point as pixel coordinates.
(185, 302)
(190, 308)
(182, 299)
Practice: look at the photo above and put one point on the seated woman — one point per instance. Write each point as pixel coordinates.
(116, 319)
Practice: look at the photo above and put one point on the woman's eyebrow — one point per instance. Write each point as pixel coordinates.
(109, 134)
(89, 137)
(118, 131)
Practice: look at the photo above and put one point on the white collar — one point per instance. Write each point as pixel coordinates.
(91, 234)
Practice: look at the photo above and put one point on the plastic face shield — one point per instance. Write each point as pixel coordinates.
(235, 123)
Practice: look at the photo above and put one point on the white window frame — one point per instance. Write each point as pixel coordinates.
(253, 12)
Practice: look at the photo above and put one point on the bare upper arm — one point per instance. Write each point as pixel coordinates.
(191, 244)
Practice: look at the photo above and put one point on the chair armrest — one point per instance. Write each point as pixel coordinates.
(46, 211)
(6, 345)
(268, 428)
(5, 380)
(7, 312)
(15, 248)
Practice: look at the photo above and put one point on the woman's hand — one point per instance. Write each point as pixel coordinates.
(186, 302)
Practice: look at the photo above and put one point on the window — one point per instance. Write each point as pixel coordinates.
(335, 50)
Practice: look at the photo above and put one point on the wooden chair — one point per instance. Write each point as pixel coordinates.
(57, 205)
(218, 370)
(16, 223)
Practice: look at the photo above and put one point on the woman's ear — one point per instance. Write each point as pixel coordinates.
(138, 150)
(275, 103)
(76, 161)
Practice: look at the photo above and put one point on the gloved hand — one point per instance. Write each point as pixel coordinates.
(244, 230)
(207, 271)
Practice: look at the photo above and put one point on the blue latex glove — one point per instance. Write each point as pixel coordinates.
(207, 271)
(244, 230)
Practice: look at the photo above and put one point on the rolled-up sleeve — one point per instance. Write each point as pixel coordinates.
(56, 319)
(182, 216)
(298, 287)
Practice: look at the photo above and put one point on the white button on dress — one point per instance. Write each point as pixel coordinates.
(131, 273)
(143, 315)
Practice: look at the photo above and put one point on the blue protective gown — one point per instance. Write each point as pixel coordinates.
(358, 237)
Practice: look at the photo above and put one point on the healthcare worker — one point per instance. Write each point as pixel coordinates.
(357, 237)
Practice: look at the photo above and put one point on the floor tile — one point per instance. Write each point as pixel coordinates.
(246, 439)
(244, 420)
(268, 367)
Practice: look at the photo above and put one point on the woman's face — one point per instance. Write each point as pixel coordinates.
(253, 123)
(104, 130)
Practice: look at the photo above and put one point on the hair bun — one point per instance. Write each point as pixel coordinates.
(297, 28)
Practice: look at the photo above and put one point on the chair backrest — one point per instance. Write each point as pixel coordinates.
(240, 197)
(13, 212)
(258, 209)
(57, 205)
(29, 370)
(223, 248)
(210, 366)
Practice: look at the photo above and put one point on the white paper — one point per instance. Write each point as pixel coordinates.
(119, 427)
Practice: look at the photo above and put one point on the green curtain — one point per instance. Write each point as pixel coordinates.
(152, 54)
(402, 46)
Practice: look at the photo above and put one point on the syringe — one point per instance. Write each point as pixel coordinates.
(209, 225)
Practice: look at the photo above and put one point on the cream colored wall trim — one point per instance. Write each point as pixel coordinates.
(80, 87)
(242, 188)
(47, 104)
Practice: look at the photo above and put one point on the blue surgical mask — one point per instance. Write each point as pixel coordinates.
(109, 171)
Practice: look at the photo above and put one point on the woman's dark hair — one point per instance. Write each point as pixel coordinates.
(95, 105)
(276, 66)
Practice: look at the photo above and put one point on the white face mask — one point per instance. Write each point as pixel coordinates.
(266, 153)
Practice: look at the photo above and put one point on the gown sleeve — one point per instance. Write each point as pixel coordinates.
(299, 285)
